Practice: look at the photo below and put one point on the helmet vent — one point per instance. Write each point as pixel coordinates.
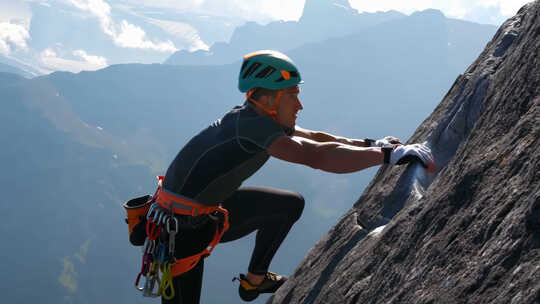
(251, 69)
(267, 71)
(244, 65)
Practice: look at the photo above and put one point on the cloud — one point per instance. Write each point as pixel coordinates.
(96, 61)
(182, 31)
(13, 37)
(266, 10)
(19, 11)
(256, 9)
(132, 36)
(498, 10)
(259, 10)
(77, 61)
(124, 34)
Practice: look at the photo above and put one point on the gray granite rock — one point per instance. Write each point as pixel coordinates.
(469, 233)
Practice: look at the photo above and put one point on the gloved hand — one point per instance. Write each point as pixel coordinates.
(416, 152)
(388, 140)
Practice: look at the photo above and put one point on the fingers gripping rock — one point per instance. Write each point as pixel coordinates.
(415, 152)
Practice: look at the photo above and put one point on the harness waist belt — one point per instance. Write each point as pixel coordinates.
(186, 206)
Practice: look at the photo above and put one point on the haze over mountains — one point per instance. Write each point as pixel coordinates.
(5, 68)
(81, 144)
(321, 20)
(114, 32)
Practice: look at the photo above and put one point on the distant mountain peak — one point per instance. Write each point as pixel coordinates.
(429, 12)
(320, 8)
(326, 3)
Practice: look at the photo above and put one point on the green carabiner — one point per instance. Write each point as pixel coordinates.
(166, 282)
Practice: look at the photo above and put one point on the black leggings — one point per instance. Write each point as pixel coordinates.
(271, 212)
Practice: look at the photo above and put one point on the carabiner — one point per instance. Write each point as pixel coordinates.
(172, 235)
(166, 282)
(164, 219)
(151, 210)
(159, 215)
(151, 280)
(175, 230)
(145, 268)
(152, 230)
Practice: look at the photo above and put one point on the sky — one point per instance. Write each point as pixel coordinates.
(16, 15)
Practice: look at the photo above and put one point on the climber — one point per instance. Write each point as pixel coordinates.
(211, 167)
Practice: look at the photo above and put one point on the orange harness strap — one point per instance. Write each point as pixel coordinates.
(272, 113)
(183, 205)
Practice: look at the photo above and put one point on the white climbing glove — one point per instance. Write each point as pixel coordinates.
(401, 154)
(388, 140)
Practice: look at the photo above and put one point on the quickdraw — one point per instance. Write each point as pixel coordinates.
(166, 282)
(146, 262)
(158, 255)
(151, 279)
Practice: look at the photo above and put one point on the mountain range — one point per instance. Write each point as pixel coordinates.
(339, 20)
(81, 144)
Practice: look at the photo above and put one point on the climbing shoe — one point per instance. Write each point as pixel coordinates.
(270, 284)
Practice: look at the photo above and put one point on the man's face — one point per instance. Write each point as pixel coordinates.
(288, 107)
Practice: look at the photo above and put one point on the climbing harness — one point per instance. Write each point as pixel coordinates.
(158, 250)
(178, 204)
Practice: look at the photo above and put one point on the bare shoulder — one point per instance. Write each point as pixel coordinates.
(293, 149)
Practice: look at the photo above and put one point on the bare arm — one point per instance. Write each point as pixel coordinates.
(333, 157)
(322, 137)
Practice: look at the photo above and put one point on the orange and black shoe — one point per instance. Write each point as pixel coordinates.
(270, 284)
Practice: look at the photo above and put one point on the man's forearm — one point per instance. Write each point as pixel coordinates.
(326, 137)
(341, 158)
(319, 136)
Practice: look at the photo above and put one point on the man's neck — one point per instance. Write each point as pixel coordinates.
(261, 112)
(257, 110)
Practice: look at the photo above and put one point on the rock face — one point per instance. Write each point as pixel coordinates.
(469, 233)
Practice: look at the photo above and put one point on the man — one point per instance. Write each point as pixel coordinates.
(212, 166)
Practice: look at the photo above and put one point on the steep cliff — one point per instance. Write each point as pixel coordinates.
(469, 233)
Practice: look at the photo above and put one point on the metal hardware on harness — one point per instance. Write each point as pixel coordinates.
(151, 210)
(159, 216)
(172, 234)
(166, 282)
(151, 279)
(153, 227)
(148, 249)
(165, 218)
(162, 254)
(158, 253)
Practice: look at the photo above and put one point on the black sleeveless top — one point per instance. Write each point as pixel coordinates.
(214, 163)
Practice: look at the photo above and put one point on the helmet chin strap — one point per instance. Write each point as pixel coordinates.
(272, 113)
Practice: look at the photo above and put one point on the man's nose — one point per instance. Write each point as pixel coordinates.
(300, 107)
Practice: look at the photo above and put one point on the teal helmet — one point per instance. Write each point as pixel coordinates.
(267, 69)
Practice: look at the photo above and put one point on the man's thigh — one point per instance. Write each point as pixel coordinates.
(251, 207)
